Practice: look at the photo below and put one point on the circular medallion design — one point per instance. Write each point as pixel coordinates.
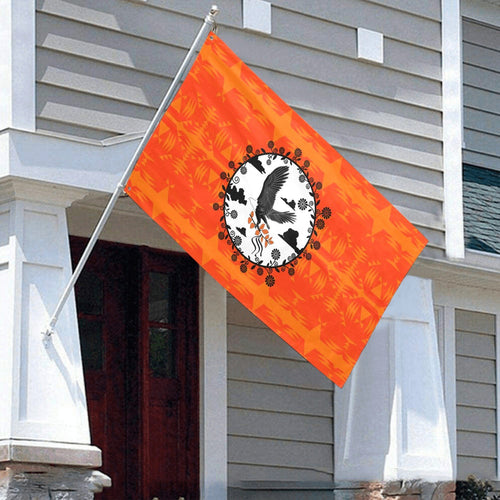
(269, 210)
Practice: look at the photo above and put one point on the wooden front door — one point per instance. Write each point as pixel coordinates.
(137, 312)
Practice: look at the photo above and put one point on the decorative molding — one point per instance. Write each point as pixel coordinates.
(16, 188)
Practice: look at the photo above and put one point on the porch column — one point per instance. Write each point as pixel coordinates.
(43, 412)
(213, 385)
(390, 419)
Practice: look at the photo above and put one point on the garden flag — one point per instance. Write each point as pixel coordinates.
(276, 215)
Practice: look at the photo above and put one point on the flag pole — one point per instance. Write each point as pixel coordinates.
(207, 25)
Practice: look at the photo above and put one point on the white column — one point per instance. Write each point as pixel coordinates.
(17, 64)
(43, 413)
(390, 417)
(213, 389)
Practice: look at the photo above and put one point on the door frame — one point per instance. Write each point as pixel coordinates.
(212, 345)
(146, 259)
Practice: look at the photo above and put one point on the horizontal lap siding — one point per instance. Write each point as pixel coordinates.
(280, 408)
(102, 68)
(476, 394)
(481, 73)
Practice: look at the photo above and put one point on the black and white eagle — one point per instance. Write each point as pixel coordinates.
(264, 209)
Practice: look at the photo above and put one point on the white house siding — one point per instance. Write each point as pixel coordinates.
(476, 341)
(476, 394)
(102, 68)
(280, 408)
(481, 74)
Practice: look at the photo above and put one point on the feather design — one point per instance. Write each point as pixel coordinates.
(272, 184)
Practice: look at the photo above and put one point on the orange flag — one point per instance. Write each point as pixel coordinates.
(273, 212)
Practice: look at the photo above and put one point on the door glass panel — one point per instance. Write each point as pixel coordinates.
(161, 306)
(162, 353)
(91, 343)
(89, 297)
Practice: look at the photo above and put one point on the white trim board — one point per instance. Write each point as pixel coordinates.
(451, 31)
(81, 164)
(17, 64)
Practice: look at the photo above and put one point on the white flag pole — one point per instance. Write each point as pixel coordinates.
(208, 24)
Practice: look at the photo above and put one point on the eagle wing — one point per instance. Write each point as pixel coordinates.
(273, 183)
(281, 217)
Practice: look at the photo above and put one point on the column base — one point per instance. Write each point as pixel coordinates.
(44, 470)
(26, 481)
(409, 490)
(46, 452)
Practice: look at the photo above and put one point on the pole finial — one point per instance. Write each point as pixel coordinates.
(214, 10)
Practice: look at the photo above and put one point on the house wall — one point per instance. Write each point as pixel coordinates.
(280, 408)
(481, 75)
(468, 313)
(476, 373)
(102, 68)
(477, 350)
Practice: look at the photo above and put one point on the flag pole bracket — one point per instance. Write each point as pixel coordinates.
(49, 331)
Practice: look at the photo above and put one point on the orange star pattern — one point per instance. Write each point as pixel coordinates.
(328, 307)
